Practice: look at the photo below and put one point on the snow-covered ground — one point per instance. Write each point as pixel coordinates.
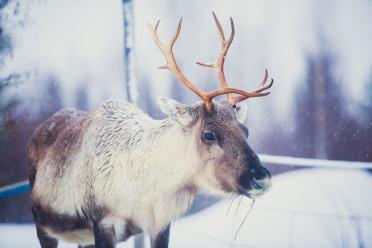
(307, 208)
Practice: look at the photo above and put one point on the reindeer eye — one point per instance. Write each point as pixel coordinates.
(208, 136)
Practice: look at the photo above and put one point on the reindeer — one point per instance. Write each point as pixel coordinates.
(99, 178)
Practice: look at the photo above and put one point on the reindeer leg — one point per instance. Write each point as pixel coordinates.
(104, 236)
(44, 239)
(162, 239)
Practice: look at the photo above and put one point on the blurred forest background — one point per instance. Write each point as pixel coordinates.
(55, 54)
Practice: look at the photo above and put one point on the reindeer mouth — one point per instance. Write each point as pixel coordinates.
(257, 189)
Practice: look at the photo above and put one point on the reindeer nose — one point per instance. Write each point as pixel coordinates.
(256, 173)
(259, 172)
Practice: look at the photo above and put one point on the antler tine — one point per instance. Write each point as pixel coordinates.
(171, 64)
(258, 92)
(154, 33)
(175, 36)
(219, 27)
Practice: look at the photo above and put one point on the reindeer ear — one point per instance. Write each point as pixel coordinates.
(241, 112)
(177, 111)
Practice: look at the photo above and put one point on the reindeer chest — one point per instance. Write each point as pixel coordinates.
(153, 214)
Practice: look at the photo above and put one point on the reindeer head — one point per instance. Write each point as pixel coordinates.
(228, 162)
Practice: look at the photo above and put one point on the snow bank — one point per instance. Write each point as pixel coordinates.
(306, 208)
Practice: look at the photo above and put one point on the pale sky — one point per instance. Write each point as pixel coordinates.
(80, 44)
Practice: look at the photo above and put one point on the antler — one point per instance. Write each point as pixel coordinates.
(225, 45)
(171, 64)
(258, 92)
(219, 67)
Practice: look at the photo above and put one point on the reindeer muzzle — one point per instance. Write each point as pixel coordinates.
(255, 181)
